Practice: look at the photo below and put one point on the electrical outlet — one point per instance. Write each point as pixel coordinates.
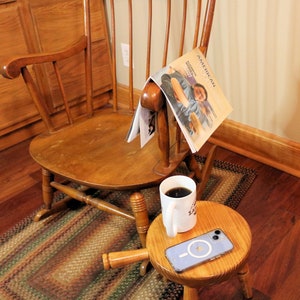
(125, 54)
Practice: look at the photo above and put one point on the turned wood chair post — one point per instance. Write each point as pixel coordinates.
(139, 209)
(47, 189)
(113, 23)
(208, 20)
(153, 99)
(163, 135)
(113, 54)
(36, 98)
(88, 57)
(63, 93)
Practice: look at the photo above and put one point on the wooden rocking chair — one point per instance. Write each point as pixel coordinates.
(89, 147)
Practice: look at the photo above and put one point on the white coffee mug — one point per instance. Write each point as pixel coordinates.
(178, 212)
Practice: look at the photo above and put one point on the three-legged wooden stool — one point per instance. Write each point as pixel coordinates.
(210, 215)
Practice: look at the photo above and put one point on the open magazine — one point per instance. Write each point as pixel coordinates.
(194, 97)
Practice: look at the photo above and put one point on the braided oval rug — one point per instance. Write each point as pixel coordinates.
(60, 257)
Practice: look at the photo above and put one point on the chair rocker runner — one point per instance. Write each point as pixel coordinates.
(89, 148)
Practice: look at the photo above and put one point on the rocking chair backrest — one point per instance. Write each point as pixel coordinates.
(156, 32)
(182, 25)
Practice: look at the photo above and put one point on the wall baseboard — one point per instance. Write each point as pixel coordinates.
(267, 148)
(272, 150)
(259, 145)
(19, 134)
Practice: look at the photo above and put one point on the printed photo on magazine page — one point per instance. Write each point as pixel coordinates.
(194, 96)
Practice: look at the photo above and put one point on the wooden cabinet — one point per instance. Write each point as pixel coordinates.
(28, 26)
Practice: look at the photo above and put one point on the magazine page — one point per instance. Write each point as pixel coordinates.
(195, 97)
(143, 124)
(134, 129)
(147, 125)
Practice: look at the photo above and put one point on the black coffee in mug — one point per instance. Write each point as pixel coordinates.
(178, 192)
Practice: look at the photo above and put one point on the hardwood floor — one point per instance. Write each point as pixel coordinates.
(271, 207)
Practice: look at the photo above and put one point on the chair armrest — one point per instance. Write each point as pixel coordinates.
(152, 97)
(11, 67)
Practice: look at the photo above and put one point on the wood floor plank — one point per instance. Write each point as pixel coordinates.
(17, 168)
(13, 187)
(19, 206)
(268, 236)
(282, 267)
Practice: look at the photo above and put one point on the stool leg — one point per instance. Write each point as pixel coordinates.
(246, 281)
(190, 293)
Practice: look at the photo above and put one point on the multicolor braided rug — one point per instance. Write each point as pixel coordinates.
(60, 257)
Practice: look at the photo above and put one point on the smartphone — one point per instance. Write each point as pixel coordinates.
(198, 250)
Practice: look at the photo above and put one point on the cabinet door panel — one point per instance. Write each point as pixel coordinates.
(15, 103)
(28, 26)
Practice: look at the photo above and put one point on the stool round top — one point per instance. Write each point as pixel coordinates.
(210, 215)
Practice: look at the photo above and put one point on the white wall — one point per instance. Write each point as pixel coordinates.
(255, 53)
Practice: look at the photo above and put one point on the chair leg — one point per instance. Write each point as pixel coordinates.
(47, 192)
(47, 189)
(206, 170)
(245, 279)
(140, 212)
(48, 198)
(203, 174)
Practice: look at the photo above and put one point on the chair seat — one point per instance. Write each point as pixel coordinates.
(86, 151)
